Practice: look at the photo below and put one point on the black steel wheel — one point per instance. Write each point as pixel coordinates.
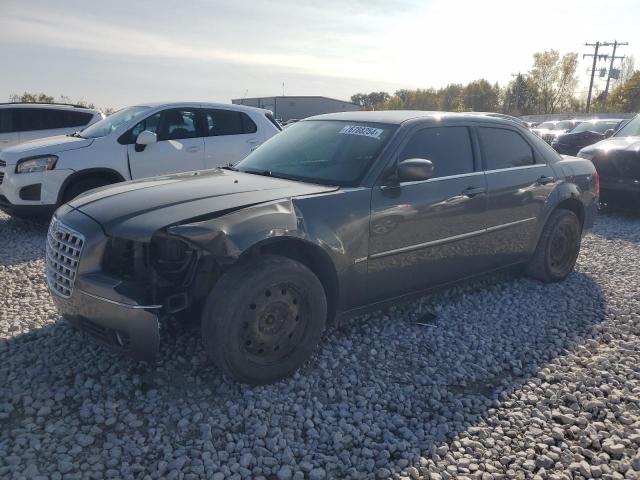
(263, 319)
(558, 248)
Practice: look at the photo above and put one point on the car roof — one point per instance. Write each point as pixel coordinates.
(596, 120)
(57, 106)
(229, 106)
(396, 117)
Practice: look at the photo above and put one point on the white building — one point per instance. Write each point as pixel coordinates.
(287, 108)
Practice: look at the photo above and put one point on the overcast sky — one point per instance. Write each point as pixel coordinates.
(118, 53)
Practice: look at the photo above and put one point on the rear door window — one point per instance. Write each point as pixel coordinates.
(449, 148)
(6, 120)
(29, 119)
(219, 122)
(502, 148)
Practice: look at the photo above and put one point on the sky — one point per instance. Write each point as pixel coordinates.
(119, 53)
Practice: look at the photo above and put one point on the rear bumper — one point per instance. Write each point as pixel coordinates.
(622, 185)
(128, 328)
(590, 214)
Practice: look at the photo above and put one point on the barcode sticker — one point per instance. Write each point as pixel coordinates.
(362, 130)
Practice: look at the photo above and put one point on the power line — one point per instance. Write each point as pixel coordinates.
(596, 46)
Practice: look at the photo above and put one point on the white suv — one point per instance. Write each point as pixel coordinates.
(135, 142)
(21, 122)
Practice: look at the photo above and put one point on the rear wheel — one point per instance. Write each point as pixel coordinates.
(263, 319)
(83, 185)
(558, 248)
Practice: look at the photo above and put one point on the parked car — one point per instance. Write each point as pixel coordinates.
(549, 131)
(21, 122)
(617, 160)
(587, 133)
(270, 251)
(135, 142)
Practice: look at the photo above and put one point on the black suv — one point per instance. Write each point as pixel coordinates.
(337, 214)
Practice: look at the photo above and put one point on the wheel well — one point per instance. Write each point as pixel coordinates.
(314, 258)
(573, 205)
(102, 173)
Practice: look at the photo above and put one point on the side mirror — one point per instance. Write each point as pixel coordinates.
(146, 138)
(415, 169)
(609, 132)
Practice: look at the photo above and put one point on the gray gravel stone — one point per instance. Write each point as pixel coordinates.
(513, 379)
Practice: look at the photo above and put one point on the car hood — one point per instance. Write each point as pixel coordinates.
(44, 146)
(580, 137)
(615, 144)
(136, 210)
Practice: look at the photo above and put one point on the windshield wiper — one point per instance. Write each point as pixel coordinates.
(75, 134)
(265, 173)
(230, 167)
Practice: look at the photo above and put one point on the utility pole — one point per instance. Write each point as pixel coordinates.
(593, 68)
(615, 44)
(613, 58)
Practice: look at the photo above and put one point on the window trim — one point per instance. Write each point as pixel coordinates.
(437, 179)
(483, 158)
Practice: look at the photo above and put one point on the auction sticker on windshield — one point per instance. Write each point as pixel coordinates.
(362, 130)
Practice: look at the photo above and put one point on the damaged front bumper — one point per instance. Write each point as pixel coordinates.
(129, 328)
(90, 299)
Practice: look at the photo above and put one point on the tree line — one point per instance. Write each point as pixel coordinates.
(548, 87)
(28, 97)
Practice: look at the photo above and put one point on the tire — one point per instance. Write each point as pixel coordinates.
(558, 248)
(263, 319)
(84, 185)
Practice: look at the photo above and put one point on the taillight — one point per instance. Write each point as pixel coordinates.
(597, 183)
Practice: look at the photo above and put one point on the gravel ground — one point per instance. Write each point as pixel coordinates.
(510, 379)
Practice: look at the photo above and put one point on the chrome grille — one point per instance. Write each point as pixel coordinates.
(1, 177)
(64, 247)
(3, 163)
(549, 138)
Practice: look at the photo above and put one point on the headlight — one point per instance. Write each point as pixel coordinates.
(36, 164)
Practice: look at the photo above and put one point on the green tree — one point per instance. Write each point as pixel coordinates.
(481, 96)
(27, 97)
(555, 78)
(521, 96)
(370, 101)
(626, 96)
(450, 98)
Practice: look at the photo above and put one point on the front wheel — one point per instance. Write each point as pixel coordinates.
(558, 248)
(263, 319)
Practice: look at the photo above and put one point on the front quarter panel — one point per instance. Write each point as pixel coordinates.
(336, 222)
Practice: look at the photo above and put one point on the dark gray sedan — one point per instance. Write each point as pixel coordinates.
(337, 214)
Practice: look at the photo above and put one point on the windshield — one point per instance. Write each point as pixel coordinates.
(598, 127)
(107, 125)
(546, 125)
(631, 129)
(320, 151)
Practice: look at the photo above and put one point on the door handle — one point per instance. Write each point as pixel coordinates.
(4, 141)
(193, 149)
(543, 180)
(473, 191)
(253, 141)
